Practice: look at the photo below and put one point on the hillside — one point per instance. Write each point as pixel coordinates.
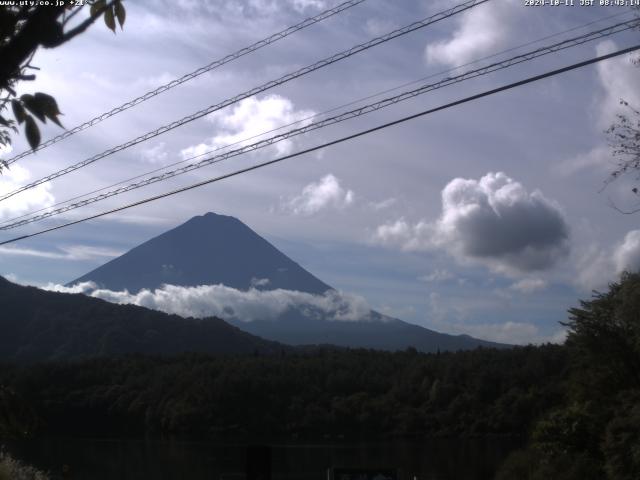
(37, 325)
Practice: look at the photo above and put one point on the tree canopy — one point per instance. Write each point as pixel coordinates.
(24, 28)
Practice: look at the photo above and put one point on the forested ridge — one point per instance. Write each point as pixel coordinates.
(41, 326)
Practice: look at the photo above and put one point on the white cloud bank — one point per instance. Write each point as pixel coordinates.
(494, 221)
(316, 196)
(32, 199)
(481, 30)
(249, 118)
(230, 303)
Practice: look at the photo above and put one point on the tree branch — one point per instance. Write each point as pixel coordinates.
(619, 210)
(86, 24)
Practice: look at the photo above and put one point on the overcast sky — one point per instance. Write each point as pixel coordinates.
(488, 218)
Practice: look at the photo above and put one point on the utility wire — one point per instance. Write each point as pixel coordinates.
(525, 57)
(311, 117)
(334, 142)
(190, 76)
(273, 83)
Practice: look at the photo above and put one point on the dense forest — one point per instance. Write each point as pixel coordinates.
(576, 405)
(595, 432)
(329, 392)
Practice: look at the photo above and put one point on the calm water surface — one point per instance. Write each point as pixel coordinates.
(102, 459)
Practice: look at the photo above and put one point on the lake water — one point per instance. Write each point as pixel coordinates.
(102, 459)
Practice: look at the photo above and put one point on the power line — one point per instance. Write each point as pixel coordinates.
(525, 57)
(273, 83)
(334, 142)
(190, 76)
(518, 59)
(354, 102)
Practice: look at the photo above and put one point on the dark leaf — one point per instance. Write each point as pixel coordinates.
(121, 13)
(18, 111)
(33, 106)
(48, 106)
(32, 131)
(4, 121)
(109, 19)
(95, 8)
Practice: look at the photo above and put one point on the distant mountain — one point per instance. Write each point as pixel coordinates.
(216, 249)
(36, 325)
(381, 332)
(206, 250)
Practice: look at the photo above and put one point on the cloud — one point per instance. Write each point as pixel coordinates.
(389, 202)
(270, 6)
(84, 287)
(529, 285)
(260, 282)
(72, 252)
(619, 79)
(454, 314)
(519, 333)
(437, 276)
(597, 266)
(250, 117)
(598, 157)
(480, 31)
(230, 303)
(325, 193)
(302, 5)
(494, 221)
(155, 154)
(32, 199)
(626, 256)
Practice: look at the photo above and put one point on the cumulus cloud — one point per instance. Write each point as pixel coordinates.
(480, 31)
(494, 221)
(230, 303)
(32, 199)
(316, 196)
(249, 118)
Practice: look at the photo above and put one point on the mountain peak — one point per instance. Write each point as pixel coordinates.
(208, 249)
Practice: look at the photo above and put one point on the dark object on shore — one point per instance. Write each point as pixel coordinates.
(258, 462)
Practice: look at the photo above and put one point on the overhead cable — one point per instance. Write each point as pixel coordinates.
(190, 76)
(273, 83)
(331, 143)
(311, 117)
(372, 107)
